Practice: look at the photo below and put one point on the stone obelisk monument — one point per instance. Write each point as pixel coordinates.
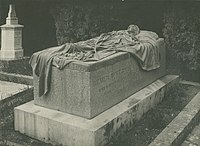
(11, 37)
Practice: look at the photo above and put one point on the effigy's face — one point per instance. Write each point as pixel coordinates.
(133, 30)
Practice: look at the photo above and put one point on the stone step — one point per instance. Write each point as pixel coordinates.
(176, 132)
(8, 89)
(13, 94)
(16, 78)
(61, 128)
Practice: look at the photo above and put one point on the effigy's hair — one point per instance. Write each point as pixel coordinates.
(134, 29)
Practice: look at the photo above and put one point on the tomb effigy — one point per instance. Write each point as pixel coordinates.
(86, 93)
(94, 86)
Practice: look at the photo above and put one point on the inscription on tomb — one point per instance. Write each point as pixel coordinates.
(18, 39)
(110, 76)
(17, 43)
(18, 33)
(113, 80)
(117, 81)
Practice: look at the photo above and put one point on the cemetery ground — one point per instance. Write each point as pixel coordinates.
(144, 132)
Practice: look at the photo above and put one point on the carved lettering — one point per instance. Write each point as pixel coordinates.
(113, 81)
(17, 42)
(18, 34)
(110, 76)
(18, 39)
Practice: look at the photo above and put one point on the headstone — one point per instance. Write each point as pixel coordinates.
(11, 37)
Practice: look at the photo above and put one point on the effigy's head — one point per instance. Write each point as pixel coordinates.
(133, 29)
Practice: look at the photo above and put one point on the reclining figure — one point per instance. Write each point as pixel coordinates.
(141, 44)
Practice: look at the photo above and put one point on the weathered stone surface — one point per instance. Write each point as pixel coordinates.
(62, 128)
(12, 94)
(11, 37)
(7, 105)
(88, 88)
(188, 143)
(193, 139)
(16, 78)
(8, 89)
(178, 129)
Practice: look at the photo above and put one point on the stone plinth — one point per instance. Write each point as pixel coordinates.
(11, 41)
(69, 130)
(87, 89)
(11, 37)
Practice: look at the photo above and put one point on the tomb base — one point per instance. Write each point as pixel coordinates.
(11, 54)
(57, 127)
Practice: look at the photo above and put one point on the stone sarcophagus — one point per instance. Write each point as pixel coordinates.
(90, 103)
(87, 89)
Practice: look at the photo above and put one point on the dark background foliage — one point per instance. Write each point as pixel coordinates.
(182, 37)
(80, 21)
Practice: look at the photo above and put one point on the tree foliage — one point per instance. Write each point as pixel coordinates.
(81, 22)
(182, 35)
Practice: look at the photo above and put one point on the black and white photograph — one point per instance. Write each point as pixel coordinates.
(99, 73)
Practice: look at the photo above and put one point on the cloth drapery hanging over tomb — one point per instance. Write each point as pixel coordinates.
(141, 44)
